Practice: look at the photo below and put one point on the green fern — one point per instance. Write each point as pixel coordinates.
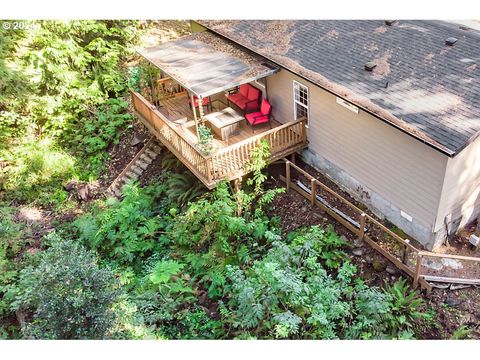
(170, 162)
(183, 188)
(405, 306)
(463, 332)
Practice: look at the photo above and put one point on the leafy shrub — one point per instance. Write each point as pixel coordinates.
(93, 136)
(324, 244)
(13, 239)
(165, 296)
(66, 295)
(253, 200)
(289, 294)
(135, 76)
(285, 293)
(461, 333)
(182, 188)
(210, 234)
(167, 300)
(14, 85)
(205, 139)
(125, 231)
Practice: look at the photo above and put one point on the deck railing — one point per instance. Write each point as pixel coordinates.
(167, 88)
(227, 163)
(171, 137)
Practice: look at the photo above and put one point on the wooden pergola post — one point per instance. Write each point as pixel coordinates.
(192, 101)
(200, 107)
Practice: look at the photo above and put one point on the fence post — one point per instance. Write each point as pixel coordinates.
(418, 266)
(287, 174)
(313, 187)
(405, 252)
(361, 230)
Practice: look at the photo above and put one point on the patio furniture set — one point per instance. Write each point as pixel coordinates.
(226, 122)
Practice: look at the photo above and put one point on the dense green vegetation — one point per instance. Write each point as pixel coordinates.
(168, 261)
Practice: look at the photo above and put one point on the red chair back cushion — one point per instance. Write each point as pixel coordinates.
(253, 93)
(244, 89)
(266, 107)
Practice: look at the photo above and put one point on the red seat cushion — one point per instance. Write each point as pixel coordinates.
(251, 105)
(266, 107)
(244, 89)
(242, 103)
(235, 98)
(253, 93)
(256, 118)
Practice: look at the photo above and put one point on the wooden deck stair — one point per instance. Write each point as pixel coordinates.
(135, 168)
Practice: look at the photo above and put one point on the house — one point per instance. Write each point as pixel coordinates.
(390, 109)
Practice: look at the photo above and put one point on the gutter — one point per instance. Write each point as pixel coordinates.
(444, 151)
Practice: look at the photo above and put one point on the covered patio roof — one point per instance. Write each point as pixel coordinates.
(206, 64)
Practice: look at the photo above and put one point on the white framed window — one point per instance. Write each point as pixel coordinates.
(300, 101)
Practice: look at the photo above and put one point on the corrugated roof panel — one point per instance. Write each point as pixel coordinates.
(205, 64)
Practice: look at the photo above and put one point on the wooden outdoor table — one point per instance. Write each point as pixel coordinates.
(224, 123)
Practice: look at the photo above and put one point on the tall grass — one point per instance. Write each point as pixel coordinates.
(37, 169)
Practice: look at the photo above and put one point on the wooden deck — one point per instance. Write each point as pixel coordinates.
(177, 109)
(172, 123)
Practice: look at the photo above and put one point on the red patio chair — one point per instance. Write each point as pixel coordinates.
(205, 101)
(262, 116)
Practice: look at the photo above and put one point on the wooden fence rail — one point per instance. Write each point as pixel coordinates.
(363, 230)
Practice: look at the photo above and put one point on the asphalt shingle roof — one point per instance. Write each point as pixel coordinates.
(432, 91)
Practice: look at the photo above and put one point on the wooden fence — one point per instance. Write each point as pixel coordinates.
(399, 251)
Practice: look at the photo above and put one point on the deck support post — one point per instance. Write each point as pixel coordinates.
(237, 186)
(200, 108)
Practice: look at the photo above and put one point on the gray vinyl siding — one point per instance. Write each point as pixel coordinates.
(402, 170)
(461, 188)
